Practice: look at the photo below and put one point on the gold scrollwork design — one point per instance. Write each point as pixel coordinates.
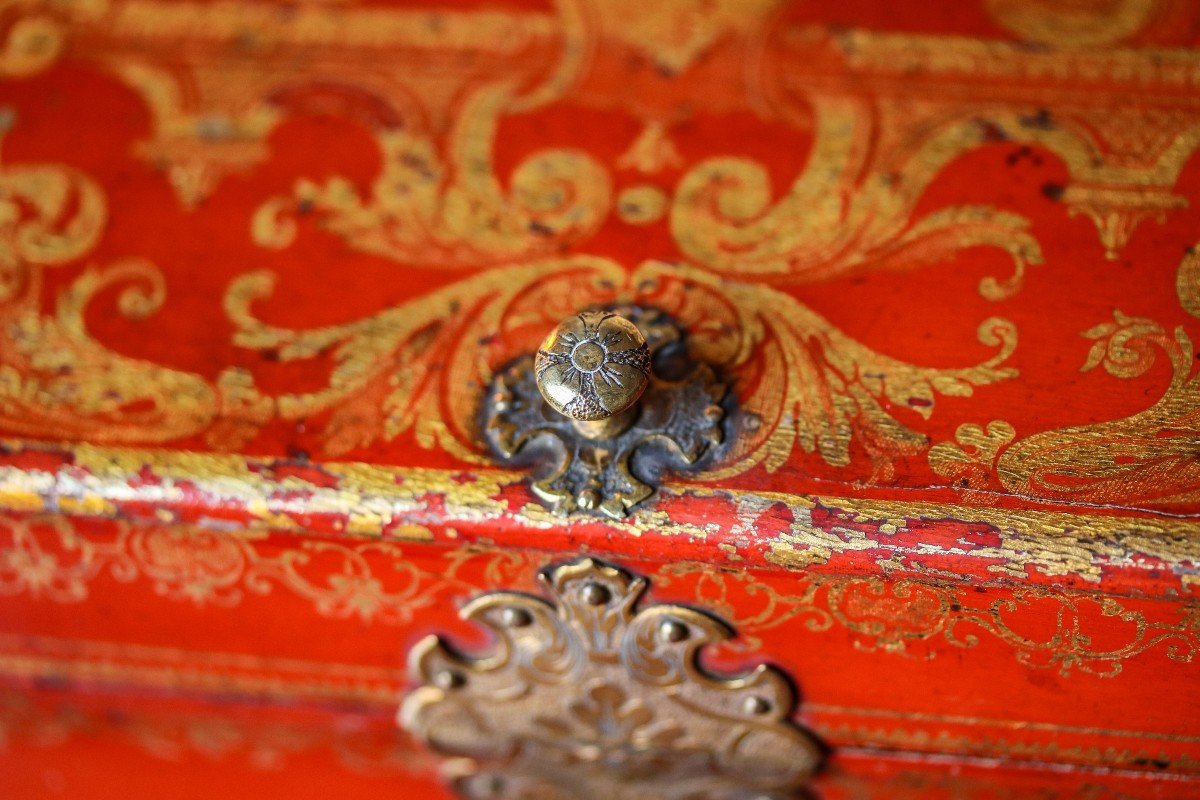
(906, 616)
(1149, 456)
(832, 388)
(452, 212)
(48, 557)
(49, 216)
(833, 221)
(54, 377)
(437, 202)
(970, 461)
(406, 368)
(676, 34)
(33, 33)
(1068, 24)
(55, 564)
(821, 387)
(805, 384)
(817, 388)
(373, 581)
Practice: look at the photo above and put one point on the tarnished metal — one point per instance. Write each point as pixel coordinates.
(592, 368)
(587, 696)
(589, 402)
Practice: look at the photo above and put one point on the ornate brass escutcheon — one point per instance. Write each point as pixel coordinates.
(611, 399)
(590, 697)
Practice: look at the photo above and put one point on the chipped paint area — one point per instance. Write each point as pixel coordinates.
(773, 530)
(279, 494)
(1054, 544)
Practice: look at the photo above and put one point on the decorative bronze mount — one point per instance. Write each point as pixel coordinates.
(589, 697)
(592, 389)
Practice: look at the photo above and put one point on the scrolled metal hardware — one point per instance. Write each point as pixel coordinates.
(593, 388)
(589, 695)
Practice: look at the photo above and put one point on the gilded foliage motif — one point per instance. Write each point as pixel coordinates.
(824, 387)
(374, 581)
(404, 368)
(845, 213)
(1071, 24)
(54, 377)
(830, 387)
(450, 210)
(1149, 456)
(739, 241)
(907, 617)
(970, 462)
(1153, 450)
(49, 557)
(817, 387)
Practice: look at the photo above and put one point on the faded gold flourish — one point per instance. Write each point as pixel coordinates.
(451, 211)
(843, 214)
(1073, 24)
(406, 367)
(819, 387)
(822, 388)
(970, 461)
(894, 615)
(437, 202)
(372, 581)
(54, 377)
(1148, 457)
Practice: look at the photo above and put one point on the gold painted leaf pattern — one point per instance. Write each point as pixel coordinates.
(448, 209)
(1148, 457)
(815, 388)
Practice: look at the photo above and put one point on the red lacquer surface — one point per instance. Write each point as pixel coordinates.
(258, 262)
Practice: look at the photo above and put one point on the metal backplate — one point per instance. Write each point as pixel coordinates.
(678, 423)
(586, 695)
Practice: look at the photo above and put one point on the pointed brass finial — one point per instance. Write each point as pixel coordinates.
(593, 368)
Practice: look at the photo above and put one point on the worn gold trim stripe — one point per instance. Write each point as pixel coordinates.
(315, 26)
(370, 500)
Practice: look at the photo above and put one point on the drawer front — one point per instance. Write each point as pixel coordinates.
(306, 640)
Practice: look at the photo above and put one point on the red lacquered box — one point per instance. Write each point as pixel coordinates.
(909, 504)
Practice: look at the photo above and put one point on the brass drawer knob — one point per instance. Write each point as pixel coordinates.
(589, 400)
(593, 368)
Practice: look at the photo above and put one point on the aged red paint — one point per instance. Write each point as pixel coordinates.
(225, 612)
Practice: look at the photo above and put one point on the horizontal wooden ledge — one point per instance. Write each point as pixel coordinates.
(1121, 553)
